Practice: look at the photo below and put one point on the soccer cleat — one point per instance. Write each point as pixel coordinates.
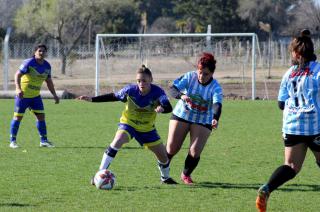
(262, 198)
(168, 181)
(13, 145)
(186, 179)
(46, 144)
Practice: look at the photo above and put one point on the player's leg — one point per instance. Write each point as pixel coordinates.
(19, 110)
(178, 131)
(163, 162)
(199, 135)
(317, 157)
(294, 158)
(120, 138)
(314, 145)
(37, 108)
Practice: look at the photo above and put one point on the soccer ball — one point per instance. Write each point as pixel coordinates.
(104, 179)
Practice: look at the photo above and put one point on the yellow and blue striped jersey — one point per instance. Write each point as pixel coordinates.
(34, 74)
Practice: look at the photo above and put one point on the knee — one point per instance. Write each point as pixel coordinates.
(117, 143)
(294, 166)
(194, 152)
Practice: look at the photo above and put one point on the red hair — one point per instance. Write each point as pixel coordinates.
(207, 61)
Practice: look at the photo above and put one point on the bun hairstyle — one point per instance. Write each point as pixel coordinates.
(305, 33)
(303, 45)
(207, 61)
(145, 70)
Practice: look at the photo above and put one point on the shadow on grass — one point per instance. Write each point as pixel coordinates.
(285, 188)
(15, 204)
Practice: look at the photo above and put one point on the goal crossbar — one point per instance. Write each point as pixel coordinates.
(207, 35)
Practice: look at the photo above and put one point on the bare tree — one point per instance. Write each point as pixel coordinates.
(275, 13)
(306, 15)
(62, 20)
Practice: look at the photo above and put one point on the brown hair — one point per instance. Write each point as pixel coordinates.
(144, 70)
(303, 45)
(40, 46)
(207, 61)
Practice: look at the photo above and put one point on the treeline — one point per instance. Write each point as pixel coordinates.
(51, 18)
(70, 22)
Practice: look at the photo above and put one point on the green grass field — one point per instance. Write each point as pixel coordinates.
(238, 158)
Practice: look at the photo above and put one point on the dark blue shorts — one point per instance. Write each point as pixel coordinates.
(34, 104)
(148, 139)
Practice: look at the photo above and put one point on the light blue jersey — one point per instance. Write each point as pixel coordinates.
(300, 90)
(200, 109)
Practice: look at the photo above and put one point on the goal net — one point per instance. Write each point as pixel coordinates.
(169, 56)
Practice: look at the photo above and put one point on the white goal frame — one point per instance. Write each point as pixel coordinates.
(208, 36)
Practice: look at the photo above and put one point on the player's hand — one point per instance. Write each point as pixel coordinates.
(85, 98)
(56, 99)
(185, 98)
(159, 109)
(214, 124)
(19, 93)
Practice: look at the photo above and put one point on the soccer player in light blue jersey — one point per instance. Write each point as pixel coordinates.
(299, 98)
(28, 80)
(143, 101)
(197, 112)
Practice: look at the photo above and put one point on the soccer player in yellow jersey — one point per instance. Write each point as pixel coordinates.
(143, 101)
(28, 81)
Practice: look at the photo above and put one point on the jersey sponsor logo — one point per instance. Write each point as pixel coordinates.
(137, 122)
(33, 87)
(302, 109)
(197, 103)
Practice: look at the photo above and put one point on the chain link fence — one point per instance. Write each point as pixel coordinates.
(273, 59)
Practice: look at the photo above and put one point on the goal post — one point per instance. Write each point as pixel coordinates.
(170, 55)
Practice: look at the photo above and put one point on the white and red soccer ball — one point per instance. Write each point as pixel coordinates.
(104, 179)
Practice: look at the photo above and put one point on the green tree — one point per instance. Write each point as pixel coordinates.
(197, 14)
(117, 17)
(62, 20)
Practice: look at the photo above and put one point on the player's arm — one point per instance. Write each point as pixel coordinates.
(52, 90)
(217, 107)
(174, 92)
(281, 105)
(164, 107)
(110, 97)
(17, 82)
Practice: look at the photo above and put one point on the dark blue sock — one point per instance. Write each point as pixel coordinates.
(14, 128)
(42, 129)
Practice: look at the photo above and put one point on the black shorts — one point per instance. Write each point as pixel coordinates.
(174, 117)
(312, 141)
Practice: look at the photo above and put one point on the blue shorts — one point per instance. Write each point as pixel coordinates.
(148, 139)
(34, 104)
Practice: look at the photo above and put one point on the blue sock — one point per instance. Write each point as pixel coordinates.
(14, 127)
(42, 129)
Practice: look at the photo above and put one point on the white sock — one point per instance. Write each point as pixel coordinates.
(164, 169)
(105, 162)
